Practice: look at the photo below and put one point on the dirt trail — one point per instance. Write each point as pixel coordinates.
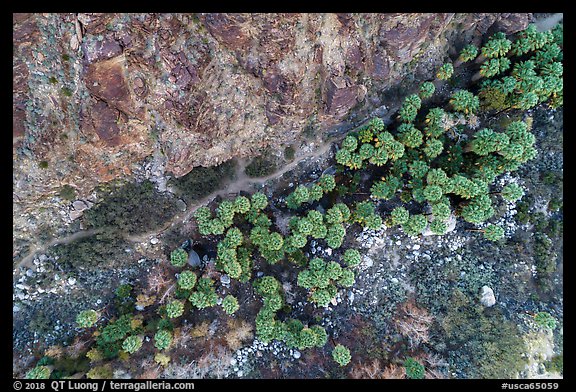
(241, 183)
(26, 262)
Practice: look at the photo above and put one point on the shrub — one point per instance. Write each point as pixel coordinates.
(259, 201)
(400, 215)
(415, 225)
(427, 89)
(512, 192)
(433, 148)
(187, 280)
(445, 72)
(132, 344)
(545, 320)
(178, 257)
(241, 205)
(162, 339)
(493, 232)
(350, 143)
(205, 295)
(441, 211)
(465, 101)
(39, 372)
(266, 285)
(87, 318)
(497, 46)
(347, 278)
(414, 369)
(341, 355)
(438, 227)
(409, 135)
(487, 141)
(327, 182)
(468, 53)
(230, 304)
(335, 236)
(175, 309)
(494, 67)
(351, 257)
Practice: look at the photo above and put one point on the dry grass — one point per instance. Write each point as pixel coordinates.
(413, 322)
(215, 363)
(239, 331)
(374, 370)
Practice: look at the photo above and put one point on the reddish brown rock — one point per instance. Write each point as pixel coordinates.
(210, 87)
(106, 80)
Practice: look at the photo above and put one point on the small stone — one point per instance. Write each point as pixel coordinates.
(233, 362)
(351, 297)
(487, 296)
(193, 258)
(15, 308)
(296, 354)
(416, 247)
(240, 373)
(30, 273)
(71, 281)
(154, 241)
(225, 279)
(368, 262)
(79, 205)
(259, 274)
(75, 214)
(329, 251)
(394, 280)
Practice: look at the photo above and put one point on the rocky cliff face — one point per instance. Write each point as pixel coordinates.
(96, 95)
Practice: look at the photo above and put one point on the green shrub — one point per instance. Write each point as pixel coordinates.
(175, 309)
(205, 296)
(415, 225)
(132, 344)
(493, 232)
(341, 355)
(414, 369)
(445, 72)
(162, 339)
(512, 192)
(400, 215)
(259, 201)
(241, 205)
(351, 257)
(39, 372)
(409, 135)
(468, 53)
(545, 320)
(427, 89)
(187, 280)
(178, 257)
(465, 101)
(87, 318)
(230, 304)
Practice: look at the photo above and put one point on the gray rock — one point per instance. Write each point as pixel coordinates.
(79, 205)
(487, 296)
(193, 258)
(225, 279)
(154, 241)
(75, 214)
(296, 354)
